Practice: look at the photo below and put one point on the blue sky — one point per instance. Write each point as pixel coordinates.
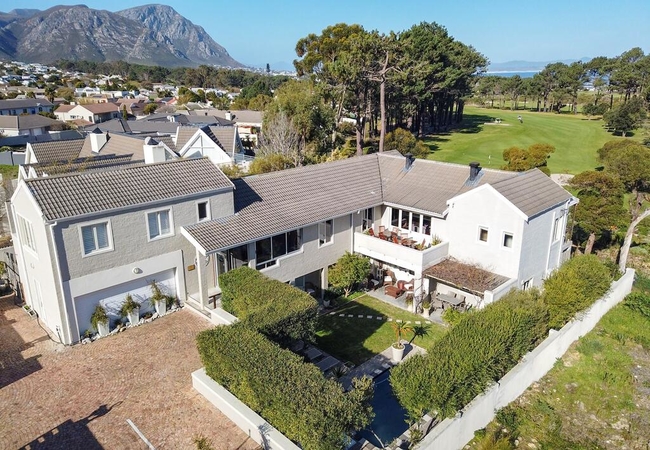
(256, 32)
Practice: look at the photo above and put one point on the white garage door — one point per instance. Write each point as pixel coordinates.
(112, 298)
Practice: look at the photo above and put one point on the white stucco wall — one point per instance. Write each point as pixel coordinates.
(484, 207)
(200, 146)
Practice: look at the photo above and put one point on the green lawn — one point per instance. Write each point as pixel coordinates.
(357, 339)
(595, 397)
(8, 172)
(576, 139)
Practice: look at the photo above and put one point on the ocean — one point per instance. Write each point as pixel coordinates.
(524, 74)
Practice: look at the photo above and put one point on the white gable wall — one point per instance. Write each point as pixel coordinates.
(484, 207)
(200, 145)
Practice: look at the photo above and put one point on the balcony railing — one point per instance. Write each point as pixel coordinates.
(400, 255)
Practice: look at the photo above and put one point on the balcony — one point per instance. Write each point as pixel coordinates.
(399, 255)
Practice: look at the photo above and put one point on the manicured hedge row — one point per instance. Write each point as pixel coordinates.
(477, 351)
(292, 395)
(574, 287)
(278, 310)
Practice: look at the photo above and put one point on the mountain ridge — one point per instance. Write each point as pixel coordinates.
(151, 34)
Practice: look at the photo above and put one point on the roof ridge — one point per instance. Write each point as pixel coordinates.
(308, 167)
(442, 163)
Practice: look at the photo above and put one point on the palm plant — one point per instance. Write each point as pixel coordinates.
(400, 329)
(419, 331)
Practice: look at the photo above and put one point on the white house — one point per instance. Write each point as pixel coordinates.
(89, 237)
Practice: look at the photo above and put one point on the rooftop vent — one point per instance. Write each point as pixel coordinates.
(474, 169)
(408, 162)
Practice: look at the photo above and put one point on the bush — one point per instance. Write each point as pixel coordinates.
(477, 351)
(99, 316)
(349, 271)
(276, 309)
(573, 287)
(128, 306)
(292, 395)
(639, 302)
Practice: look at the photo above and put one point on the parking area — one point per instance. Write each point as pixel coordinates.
(57, 397)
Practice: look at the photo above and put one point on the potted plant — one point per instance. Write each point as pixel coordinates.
(130, 309)
(426, 306)
(158, 300)
(99, 320)
(398, 347)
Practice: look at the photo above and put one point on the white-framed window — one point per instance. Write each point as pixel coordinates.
(96, 237)
(267, 251)
(203, 210)
(482, 234)
(508, 239)
(557, 229)
(368, 218)
(26, 233)
(325, 230)
(160, 224)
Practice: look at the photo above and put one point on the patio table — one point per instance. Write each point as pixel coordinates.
(450, 299)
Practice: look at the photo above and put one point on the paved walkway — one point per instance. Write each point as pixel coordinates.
(57, 397)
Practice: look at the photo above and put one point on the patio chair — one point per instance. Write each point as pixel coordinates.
(382, 229)
(389, 278)
(437, 304)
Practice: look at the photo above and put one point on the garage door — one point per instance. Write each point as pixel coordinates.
(112, 298)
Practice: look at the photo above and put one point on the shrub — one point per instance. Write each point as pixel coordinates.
(276, 309)
(350, 270)
(292, 395)
(477, 351)
(574, 287)
(99, 316)
(128, 306)
(639, 302)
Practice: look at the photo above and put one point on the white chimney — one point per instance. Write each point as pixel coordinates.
(154, 152)
(97, 140)
(228, 115)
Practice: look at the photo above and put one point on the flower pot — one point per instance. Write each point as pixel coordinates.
(161, 307)
(426, 312)
(103, 329)
(398, 352)
(134, 316)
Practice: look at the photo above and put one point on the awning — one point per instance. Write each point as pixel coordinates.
(468, 277)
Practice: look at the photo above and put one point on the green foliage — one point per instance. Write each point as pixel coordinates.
(276, 309)
(639, 302)
(150, 108)
(403, 141)
(626, 117)
(349, 271)
(452, 316)
(128, 305)
(520, 160)
(99, 316)
(270, 163)
(574, 287)
(594, 110)
(291, 394)
(400, 328)
(479, 350)
(203, 443)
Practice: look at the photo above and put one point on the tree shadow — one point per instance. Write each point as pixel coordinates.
(70, 434)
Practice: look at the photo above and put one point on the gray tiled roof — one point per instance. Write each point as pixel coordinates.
(183, 134)
(80, 193)
(272, 203)
(427, 185)
(224, 137)
(80, 164)
(532, 192)
(275, 202)
(24, 103)
(117, 144)
(51, 151)
(25, 122)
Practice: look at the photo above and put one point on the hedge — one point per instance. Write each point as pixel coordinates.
(476, 352)
(276, 309)
(574, 287)
(290, 394)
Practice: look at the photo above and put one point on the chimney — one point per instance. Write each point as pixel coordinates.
(97, 140)
(408, 161)
(154, 152)
(474, 169)
(228, 115)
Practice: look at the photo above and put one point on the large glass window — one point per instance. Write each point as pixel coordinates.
(394, 217)
(95, 238)
(368, 218)
(159, 224)
(270, 249)
(325, 230)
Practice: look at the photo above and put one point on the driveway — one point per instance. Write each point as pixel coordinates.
(80, 397)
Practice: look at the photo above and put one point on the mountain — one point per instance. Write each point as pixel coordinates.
(151, 35)
(528, 66)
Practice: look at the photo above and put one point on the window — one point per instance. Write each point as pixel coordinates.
(394, 217)
(507, 240)
(556, 229)
(95, 238)
(26, 233)
(325, 232)
(483, 234)
(415, 222)
(270, 249)
(426, 224)
(203, 210)
(368, 218)
(159, 224)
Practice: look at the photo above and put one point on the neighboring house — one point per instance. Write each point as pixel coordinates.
(85, 238)
(26, 125)
(221, 144)
(16, 107)
(91, 112)
(248, 122)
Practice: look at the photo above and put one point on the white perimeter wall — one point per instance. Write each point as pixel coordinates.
(451, 434)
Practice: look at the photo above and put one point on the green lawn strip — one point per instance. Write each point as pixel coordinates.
(588, 397)
(358, 339)
(8, 172)
(576, 139)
